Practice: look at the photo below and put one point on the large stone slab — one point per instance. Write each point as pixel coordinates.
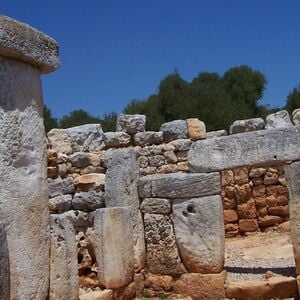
(121, 191)
(200, 233)
(273, 146)
(22, 42)
(162, 252)
(292, 175)
(4, 265)
(179, 185)
(63, 256)
(114, 246)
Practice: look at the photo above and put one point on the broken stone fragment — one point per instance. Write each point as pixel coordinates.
(59, 187)
(117, 139)
(88, 201)
(148, 138)
(174, 130)
(241, 126)
(60, 204)
(280, 119)
(131, 124)
(156, 206)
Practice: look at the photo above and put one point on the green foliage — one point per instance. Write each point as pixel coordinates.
(49, 121)
(109, 121)
(293, 100)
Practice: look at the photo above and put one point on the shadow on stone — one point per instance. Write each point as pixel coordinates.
(4, 266)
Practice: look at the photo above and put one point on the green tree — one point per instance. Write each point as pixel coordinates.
(293, 99)
(49, 121)
(108, 122)
(76, 118)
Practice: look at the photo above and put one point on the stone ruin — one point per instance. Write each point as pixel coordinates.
(131, 209)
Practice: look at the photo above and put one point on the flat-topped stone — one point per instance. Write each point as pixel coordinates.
(20, 41)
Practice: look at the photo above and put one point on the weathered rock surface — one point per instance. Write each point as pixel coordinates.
(179, 185)
(240, 126)
(217, 133)
(199, 231)
(279, 119)
(201, 286)
(148, 138)
(272, 146)
(114, 246)
(88, 201)
(60, 141)
(196, 129)
(121, 191)
(90, 182)
(131, 124)
(60, 204)
(159, 282)
(117, 139)
(174, 130)
(78, 218)
(296, 116)
(162, 253)
(58, 187)
(98, 295)
(80, 159)
(4, 265)
(156, 206)
(63, 256)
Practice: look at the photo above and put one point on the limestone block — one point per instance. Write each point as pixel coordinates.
(148, 138)
(131, 124)
(58, 187)
(97, 295)
(196, 129)
(180, 145)
(292, 174)
(241, 176)
(114, 246)
(156, 160)
(248, 225)
(280, 119)
(174, 130)
(159, 283)
(78, 218)
(121, 191)
(240, 126)
(214, 134)
(162, 253)
(80, 159)
(117, 139)
(86, 138)
(21, 42)
(156, 206)
(4, 265)
(296, 116)
(59, 141)
(201, 286)
(60, 204)
(63, 256)
(170, 157)
(90, 182)
(179, 185)
(199, 231)
(88, 201)
(272, 146)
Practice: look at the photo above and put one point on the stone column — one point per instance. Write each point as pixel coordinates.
(25, 54)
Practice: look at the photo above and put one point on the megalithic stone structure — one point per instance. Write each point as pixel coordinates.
(25, 54)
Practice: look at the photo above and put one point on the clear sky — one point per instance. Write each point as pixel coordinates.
(113, 51)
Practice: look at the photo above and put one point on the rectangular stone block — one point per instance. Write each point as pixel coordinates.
(272, 146)
(292, 175)
(200, 233)
(114, 246)
(179, 185)
(63, 257)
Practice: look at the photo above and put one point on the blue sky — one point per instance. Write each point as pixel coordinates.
(113, 51)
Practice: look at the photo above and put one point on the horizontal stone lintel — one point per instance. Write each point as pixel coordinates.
(20, 41)
(264, 147)
(179, 185)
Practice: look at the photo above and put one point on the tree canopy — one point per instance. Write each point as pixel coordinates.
(293, 99)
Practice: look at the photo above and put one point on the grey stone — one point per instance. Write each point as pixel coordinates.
(121, 191)
(170, 156)
(280, 119)
(273, 146)
(60, 204)
(241, 126)
(162, 253)
(4, 265)
(156, 160)
(179, 185)
(200, 233)
(114, 242)
(87, 201)
(79, 218)
(117, 139)
(80, 159)
(156, 206)
(148, 138)
(217, 133)
(21, 42)
(63, 256)
(86, 138)
(23, 185)
(58, 187)
(174, 130)
(292, 175)
(181, 144)
(131, 124)
(296, 116)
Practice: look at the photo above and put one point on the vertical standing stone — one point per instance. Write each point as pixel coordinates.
(63, 255)
(292, 175)
(24, 54)
(113, 239)
(4, 265)
(121, 191)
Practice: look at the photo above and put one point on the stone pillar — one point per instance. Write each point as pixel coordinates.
(25, 54)
(64, 282)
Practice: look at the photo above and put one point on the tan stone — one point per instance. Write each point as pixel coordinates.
(165, 169)
(284, 227)
(257, 181)
(257, 172)
(97, 295)
(52, 157)
(248, 225)
(270, 178)
(233, 233)
(282, 200)
(262, 211)
(60, 141)
(183, 166)
(196, 129)
(259, 191)
(269, 221)
(272, 201)
(159, 282)
(230, 215)
(242, 193)
(229, 192)
(201, 286)
(241, 176)
(247, 210)
(271, 190)
(227, 177)
(229, 203)
(89, 182)
(231, 227)
(260, 201)
(279, 211)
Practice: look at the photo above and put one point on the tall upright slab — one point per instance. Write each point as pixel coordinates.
(25, 53)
